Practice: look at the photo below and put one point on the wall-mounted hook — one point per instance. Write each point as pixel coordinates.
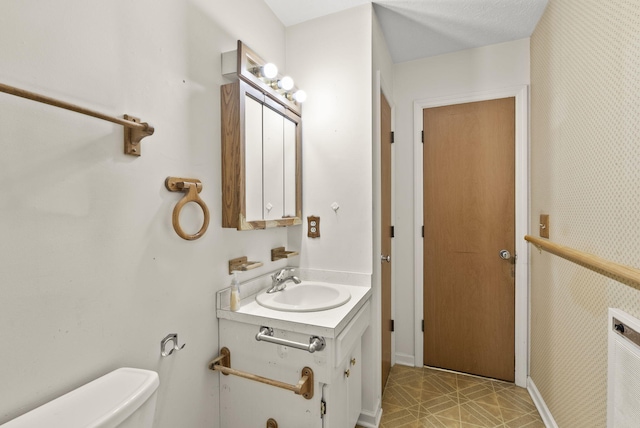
(173, 338)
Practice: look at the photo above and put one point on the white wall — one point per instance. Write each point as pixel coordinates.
(330, 58)
(475, 70)
(92, 274)
(382, 61)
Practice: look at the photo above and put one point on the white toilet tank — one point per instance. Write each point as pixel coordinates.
(125, 397)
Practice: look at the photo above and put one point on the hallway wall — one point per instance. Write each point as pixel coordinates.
(584, 173)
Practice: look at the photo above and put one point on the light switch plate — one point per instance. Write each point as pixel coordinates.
(313, 226)
(544, 225)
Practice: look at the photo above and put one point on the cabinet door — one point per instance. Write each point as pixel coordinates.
(290, 130)
(245, 403)
(354, 398)
(273, 163)
(336, 398)
(253, 158)
(344, 394)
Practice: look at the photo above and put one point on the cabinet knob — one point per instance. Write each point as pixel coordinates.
(353, 361)
(347, 373)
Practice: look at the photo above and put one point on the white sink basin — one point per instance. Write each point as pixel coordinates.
(305, 297)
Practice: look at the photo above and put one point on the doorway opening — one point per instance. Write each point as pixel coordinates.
(520, 94)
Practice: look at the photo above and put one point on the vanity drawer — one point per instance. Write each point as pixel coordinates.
(352, 333)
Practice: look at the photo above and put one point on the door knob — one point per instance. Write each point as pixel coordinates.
(505, 254)
(385, 258)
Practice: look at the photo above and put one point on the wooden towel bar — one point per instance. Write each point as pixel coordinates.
(222, 363)
(135, 130)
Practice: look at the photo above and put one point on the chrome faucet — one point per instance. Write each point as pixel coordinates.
(279, 280)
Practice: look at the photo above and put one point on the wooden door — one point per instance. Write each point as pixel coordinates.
(385, 159)
(469, 217)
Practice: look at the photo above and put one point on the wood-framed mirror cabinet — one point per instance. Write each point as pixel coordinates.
(261, 152)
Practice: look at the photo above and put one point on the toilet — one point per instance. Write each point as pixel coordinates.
(124, 398)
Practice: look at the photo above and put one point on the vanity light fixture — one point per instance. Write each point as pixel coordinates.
(286, 83)
(300, 96)
(286, 87)
(269, 71)
(247, 65)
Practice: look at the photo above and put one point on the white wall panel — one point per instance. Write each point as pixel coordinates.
(330, 58)
(92, 274)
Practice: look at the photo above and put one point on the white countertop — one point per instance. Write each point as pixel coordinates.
(328, 323)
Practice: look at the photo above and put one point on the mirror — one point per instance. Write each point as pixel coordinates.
(272, 164)
(279, 165)
(290, 162)
(253, 158)
(270, 159)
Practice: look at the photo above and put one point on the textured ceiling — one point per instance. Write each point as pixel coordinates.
(422, 28)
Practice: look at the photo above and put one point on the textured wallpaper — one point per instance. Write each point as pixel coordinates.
(585, 173)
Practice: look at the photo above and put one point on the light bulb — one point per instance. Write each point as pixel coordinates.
(285, 83)
(269, 70)
(300, 96)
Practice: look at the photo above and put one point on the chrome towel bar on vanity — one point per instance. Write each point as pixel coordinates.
(316, 343)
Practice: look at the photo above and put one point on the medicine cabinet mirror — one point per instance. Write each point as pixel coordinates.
(261, 151)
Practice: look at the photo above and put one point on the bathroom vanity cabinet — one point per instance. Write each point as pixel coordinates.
(336, 401)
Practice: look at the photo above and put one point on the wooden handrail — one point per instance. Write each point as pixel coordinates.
(222, 364)
(136, 130)
(615, 269)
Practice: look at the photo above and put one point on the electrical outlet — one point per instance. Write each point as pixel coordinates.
(313, 227)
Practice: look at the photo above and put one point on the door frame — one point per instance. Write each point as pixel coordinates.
(521, 94)
(379, 263)
(372, 343)
(382, 87)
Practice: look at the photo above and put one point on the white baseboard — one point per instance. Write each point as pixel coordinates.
(405, 359)
(544, 411)
(370, 420)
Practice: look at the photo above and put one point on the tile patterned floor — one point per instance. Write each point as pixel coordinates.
(426, 398)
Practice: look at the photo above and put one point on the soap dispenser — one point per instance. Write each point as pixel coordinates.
(235, 293)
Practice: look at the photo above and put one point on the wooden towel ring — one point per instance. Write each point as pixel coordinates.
(191, 187)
